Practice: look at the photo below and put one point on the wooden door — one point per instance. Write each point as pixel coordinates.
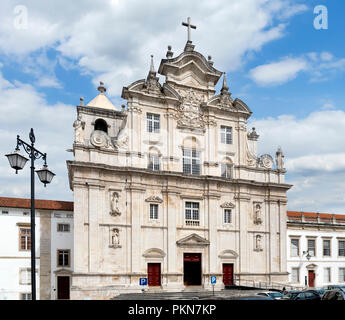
(311, 278)
(154, 274)
(228, 274)
(63, 287)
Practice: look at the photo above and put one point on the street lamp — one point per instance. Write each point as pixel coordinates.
(308, 256)
(17, 162)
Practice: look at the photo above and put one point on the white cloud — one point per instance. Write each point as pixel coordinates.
(22, 108)
(113, 40)
(319, 66)
(278, 72)
(314, 157)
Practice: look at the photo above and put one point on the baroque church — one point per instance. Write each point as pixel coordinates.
(171, 187)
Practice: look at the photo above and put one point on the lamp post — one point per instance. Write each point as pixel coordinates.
(17, 162)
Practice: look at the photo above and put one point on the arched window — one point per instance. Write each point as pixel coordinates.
(191, 156)
(154, 159)
(101, 125)
(227, 168)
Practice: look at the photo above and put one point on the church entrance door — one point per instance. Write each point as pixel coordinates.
(228, 274)
(63, 287)
(154, 274)
(192, 269)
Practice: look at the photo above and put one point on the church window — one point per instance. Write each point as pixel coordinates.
(294, 247)
(227, 215)
(341, 248)
(154, 162)
(25, 238)
(153, 122)
(226, 169)
(192, 213)
(153, 211)
(226, 134)
(63, 258)
(63, 227)
(191, 161)
(101, 125)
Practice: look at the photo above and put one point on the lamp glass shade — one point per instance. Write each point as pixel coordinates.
(16, 160)
(45, 175)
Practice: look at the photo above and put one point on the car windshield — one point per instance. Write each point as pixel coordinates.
(275, 294)
(290, 295)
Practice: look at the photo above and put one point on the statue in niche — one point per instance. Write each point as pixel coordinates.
(258, 245)
(79, 127)
(115, 238)
(257, 214)
(114, 204)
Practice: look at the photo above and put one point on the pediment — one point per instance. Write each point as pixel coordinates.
(154, 199)
(226, 103)
(228, 254)
(227, 205)
(193, 240)
(311, 266)
(154, 253)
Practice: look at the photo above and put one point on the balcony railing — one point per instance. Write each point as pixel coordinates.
(192, 223)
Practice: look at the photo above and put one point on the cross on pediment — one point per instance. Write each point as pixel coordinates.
(189, 26)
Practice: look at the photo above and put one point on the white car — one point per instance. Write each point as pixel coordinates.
(273, 294)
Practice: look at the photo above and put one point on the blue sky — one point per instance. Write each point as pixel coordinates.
(291, 75)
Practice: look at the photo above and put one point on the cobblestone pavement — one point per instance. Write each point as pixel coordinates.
(202, 295)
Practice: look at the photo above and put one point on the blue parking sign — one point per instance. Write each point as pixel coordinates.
(213, 279)
(143, 281)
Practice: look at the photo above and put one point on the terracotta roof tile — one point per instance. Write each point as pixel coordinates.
(39, 204)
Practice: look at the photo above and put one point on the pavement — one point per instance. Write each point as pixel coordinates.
(228, 294)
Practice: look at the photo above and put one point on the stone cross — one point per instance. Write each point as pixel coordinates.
(189, 26)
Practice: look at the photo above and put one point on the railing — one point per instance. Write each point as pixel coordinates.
(194, 223)
(266, 285)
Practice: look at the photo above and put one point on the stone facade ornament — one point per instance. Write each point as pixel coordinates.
(189, 113)
(154, 199)
(257, 213)
(258, 243)
(266, 161)
(227, 205)
(280, 159)
(100, 139)
(115, 238)
(114, 204)
(79, 127)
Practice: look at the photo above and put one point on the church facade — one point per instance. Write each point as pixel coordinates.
(171, 187)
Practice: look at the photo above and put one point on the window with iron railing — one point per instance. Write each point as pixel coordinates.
(192, 214)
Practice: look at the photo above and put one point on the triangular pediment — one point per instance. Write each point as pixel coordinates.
(193, 240)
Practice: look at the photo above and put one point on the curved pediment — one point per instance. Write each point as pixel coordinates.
(154, 199)
(193, 240)
(224, 102)
(228, 254)
(154, 253)
(227, 205)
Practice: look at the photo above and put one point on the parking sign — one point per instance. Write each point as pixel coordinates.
(143, 281)
(213, 280)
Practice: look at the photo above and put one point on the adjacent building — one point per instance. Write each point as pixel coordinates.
(316, 248)
(54, 249)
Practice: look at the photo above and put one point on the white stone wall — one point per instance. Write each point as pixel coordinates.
(11, 258)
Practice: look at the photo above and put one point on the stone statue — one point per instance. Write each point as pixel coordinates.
(79, 127)
(257, 214)
(280, 159)
(115, 238)
(114, 204)
(258, 245)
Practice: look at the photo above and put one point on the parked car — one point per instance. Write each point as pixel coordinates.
(302, 295)
(256, 297)
(320, 292)
(334, 294)
(273, 294)
(335, 286)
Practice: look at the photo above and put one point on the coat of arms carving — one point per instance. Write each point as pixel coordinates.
(189, 113)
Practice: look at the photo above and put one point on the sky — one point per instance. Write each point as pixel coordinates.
(284, 58)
